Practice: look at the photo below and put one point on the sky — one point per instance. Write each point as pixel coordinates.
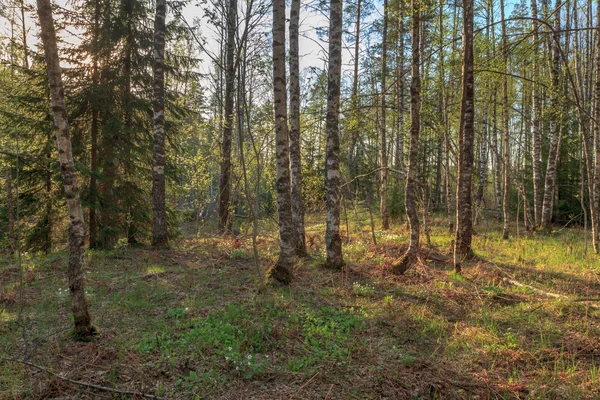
(312, 49)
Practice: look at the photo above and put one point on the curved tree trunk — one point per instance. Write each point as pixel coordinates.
(410, 193)
(159, 236)
(333, 240)
(282, 271)
(295, 160)
(464, 214)
(81, 316)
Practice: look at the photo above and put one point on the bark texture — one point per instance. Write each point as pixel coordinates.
(384, 156)
(410, 192)
(536, 147)
(282, 271)
(505, 123)
(159, 237)
(225, 178)
(464, 213)
(82, 321)
(333, 240)
(295, 160)
(555, 126)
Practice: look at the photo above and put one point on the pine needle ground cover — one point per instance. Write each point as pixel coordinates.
(522, 321)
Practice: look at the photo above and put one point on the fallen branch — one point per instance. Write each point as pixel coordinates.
(81, 383)
(534, 289)
(550, 294)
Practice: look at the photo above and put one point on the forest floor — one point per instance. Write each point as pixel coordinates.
(523, 321)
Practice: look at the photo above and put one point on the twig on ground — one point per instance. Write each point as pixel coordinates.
(81, 383)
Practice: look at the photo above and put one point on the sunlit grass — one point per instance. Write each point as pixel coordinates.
(193, 322)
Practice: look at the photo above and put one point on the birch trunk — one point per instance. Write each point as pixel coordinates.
(159, 237)
(596, 186)
(282, 271)
(295, 159)
(410, 192)
(225, 178)
(82, 321)
(535, 123)
(555, 128)
(333, 240)
(505, 128)
(384, 156)
(464, 214)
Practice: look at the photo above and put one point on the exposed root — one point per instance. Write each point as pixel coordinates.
(406, 262)
(279, 273)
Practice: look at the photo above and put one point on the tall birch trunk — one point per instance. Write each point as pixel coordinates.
(159, 237)
(464, 213)
(333, 240)
(536, 147)
(505, 128)
(399, 157)
(555, 128)
(82, 321)
(410, 193)
(295, 159)
(225, 178)
(282, 271)
(384, 155)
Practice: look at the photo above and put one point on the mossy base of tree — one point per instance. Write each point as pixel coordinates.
(408, 260)
(86, 335)
(279, 273)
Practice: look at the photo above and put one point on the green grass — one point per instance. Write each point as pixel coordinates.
(190, 323)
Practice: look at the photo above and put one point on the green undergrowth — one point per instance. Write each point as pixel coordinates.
(190, 323)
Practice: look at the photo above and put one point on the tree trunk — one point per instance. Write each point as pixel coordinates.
(384, 156)
(535, 124)
(505, 124)
(225, 179)
(10, 210)
(94, 131)
(464, 214)
(596, 186)
(282, 271)
(555, 128)
(159, 237)
(333, 239)
(399, 157)
(295, 160)
(410, 192)
(82, 321)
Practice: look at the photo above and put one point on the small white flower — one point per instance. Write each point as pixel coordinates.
(230, 349)
(249, 356)
(226, 358)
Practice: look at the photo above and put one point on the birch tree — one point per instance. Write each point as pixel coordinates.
(81, 317)
(464, 214)
(281, 271)
(410, 192)
(333, 240)
(295, 160)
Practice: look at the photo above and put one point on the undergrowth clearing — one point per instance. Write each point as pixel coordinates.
(189, 323)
